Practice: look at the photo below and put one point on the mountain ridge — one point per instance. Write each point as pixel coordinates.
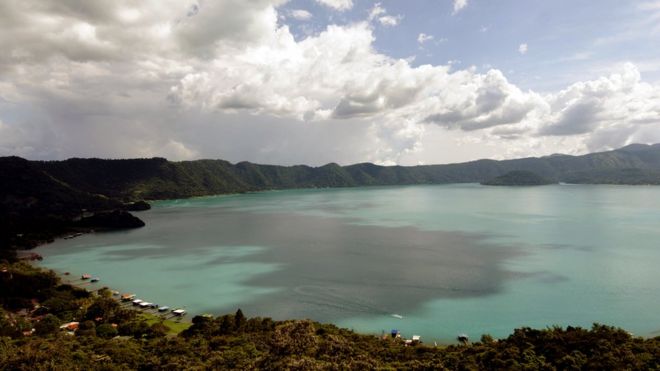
(42, 199)
(158, 178)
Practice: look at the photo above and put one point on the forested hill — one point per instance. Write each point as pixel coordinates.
(158, 178)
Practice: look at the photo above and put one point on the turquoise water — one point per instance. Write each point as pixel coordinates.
(447, 259)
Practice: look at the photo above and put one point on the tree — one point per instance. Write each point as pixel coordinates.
(487, 339)
(296, 337)
(226, 324)
(47, 325)
(106, 331)
(104, 308)
(105, 293)
(158, 330)
(86, 328)
(239, 319)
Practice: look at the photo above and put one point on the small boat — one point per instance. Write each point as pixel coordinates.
(115, 293)
(86, 276)
(463, 338)
(144, 304)
(137, 302)
(66, 273)
(127, 297)
(163, 309)
(95, 279)
(153, 305)
(397, 316)
(179, 312)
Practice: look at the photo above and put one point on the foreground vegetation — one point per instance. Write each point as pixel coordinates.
(113, 337)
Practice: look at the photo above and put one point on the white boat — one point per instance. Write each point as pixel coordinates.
(137, 302)
(397, 316)
(163, 309)
(179, 312)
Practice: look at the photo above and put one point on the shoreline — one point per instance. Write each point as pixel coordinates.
(94, 287)
(74, 280)
(147, 286)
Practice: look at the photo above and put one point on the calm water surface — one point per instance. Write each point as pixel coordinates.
(449, 259)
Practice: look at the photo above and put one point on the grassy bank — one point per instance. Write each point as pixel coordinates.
(175, 326)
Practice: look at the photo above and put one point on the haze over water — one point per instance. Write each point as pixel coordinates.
(449, 259)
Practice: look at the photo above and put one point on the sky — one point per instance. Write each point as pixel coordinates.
(316, 81)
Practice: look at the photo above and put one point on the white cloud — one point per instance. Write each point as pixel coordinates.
(301, 14)
(389, 21)
(459, 5)
(422, 38)
(376, 11)
(121, 79)
(620, 103)
(522, 49)
(340, 5)
(380, 14)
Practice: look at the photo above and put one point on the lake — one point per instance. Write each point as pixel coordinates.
(448, 259)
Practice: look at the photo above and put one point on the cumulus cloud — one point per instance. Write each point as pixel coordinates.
(522, 49)
(379, 13)
(422, 38)
(340, 5)
(389, 21)
(459, 5)
(615, 106)
(489, 101)
(123, 79)
(301, 14)
(376, 11)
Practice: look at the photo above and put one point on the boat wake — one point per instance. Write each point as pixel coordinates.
(329, 298)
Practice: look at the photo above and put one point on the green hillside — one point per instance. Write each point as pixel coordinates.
(519, 178)
(42, 199)
(158, 178)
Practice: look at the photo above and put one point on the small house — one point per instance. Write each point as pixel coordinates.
(71, 326)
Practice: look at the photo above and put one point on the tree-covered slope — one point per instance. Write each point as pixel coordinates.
(46, 195)
(519, 178)
(158, 178)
